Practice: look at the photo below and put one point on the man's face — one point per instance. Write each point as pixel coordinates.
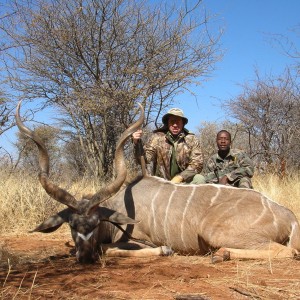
(223, 141)
(175, 124)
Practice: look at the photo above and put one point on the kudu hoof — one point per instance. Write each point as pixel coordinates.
(166, 251)
(220, 256)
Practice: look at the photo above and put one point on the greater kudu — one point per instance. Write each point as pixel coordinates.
(191, 219)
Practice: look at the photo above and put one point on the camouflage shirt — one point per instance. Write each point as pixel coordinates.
(235, 166)
(158, 154)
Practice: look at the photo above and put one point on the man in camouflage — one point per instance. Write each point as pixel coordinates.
(228, 166)
(173, 152)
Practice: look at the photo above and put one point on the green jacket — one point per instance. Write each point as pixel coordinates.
(188, 155)
(235, 166)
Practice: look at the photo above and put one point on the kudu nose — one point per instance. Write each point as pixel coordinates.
(86, 258)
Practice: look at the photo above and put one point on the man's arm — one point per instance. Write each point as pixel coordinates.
(195, 162)
(242, 167)
(210, 171)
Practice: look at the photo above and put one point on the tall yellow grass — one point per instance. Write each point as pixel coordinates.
(24, 203)
(285, 191)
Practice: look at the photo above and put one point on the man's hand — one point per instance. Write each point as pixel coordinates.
(137, 136)
(177, 179)
(223, 180)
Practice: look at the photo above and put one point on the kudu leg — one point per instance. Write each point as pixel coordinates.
(134, 250)
(272, 250)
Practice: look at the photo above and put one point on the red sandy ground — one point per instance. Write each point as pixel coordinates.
(41, 266)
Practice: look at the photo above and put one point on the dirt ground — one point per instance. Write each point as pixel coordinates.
(40, 266)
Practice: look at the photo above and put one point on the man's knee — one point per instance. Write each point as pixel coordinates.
(246, 183)
(198, 179)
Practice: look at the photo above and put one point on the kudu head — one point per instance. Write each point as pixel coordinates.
(83, 216)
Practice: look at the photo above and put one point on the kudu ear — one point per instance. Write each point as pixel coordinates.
(106, 214)
(54, 222)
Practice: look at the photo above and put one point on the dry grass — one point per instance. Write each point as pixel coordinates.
(284, 191)
(153, 278)
(24, 203)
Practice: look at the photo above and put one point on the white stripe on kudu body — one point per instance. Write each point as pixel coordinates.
(184, 216)
(153, 205)
(166, 224)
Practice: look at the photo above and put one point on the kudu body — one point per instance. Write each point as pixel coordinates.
(198, 219)
(191, 219)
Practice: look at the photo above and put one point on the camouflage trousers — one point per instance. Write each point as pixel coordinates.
(244, 182)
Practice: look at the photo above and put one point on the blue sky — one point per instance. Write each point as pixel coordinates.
(248, 29)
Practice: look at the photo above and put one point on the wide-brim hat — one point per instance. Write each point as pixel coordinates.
(174, 112)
